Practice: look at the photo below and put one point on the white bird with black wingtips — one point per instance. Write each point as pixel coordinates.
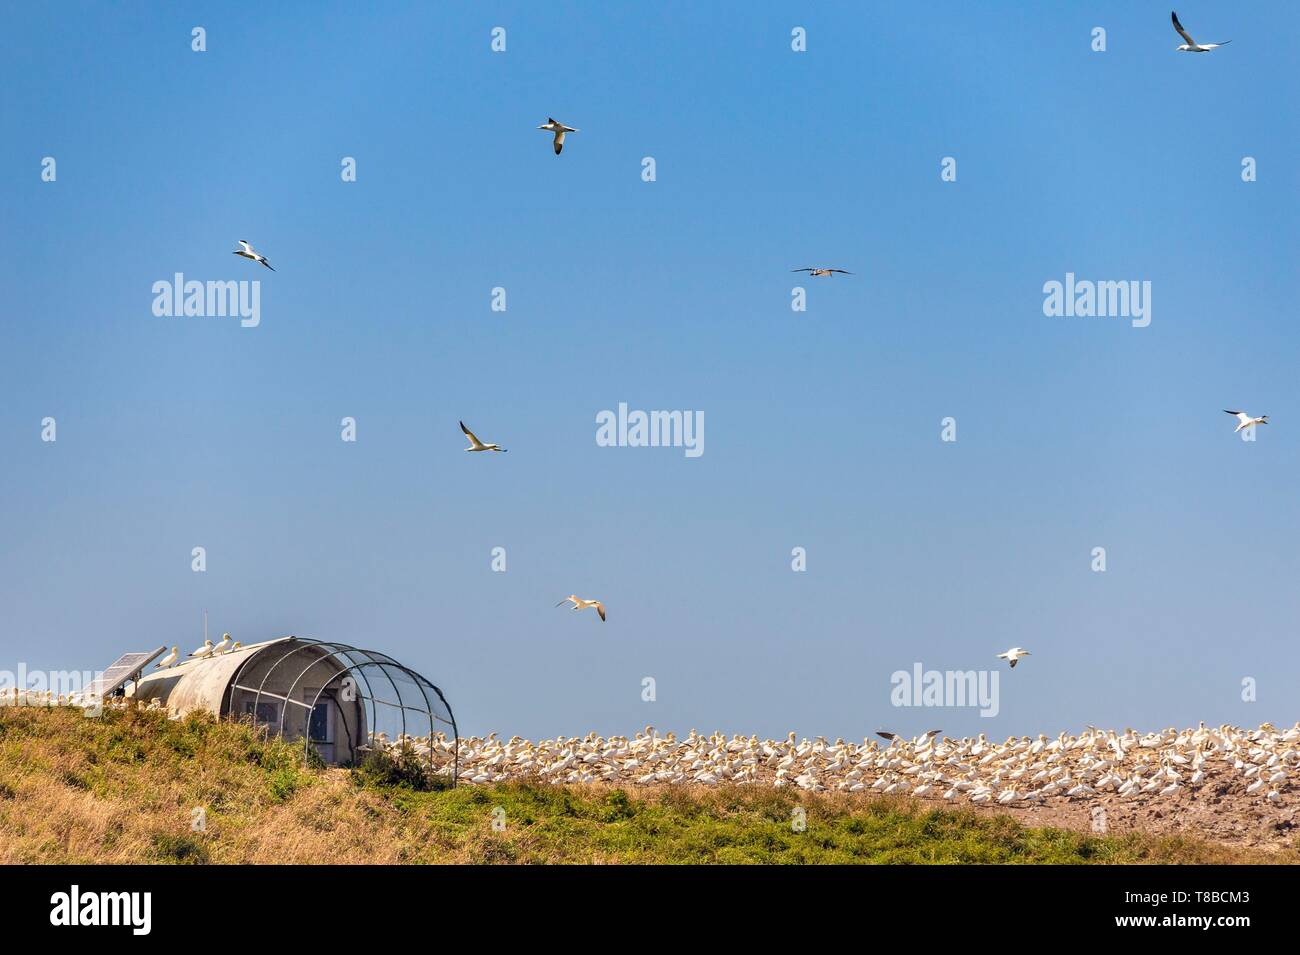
(1014, 654)
(1191, 46)
(929, 735)
(1245, 421)
(815, 273)
(168, 660)
(580, 604)
(249, 252)
(475, 444)
(559, 129)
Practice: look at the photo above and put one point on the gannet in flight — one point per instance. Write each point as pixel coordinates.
(930, 734)
(1246, 420)
(249, 252)
(168, 660)
(580, 604)
(475, 444)
(1014, 654)
(203, 651)
(559, 129)
(1191, 46)
(817, 272)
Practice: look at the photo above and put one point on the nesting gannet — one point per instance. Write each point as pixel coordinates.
(1245, 420)
(817, 272)
(1191, 46)
(234, 646)
(223, 646)
(559, 129)
(580, 604)
(203, 651)
(475, 444)
(1014, 654)
(168, 660)
(249, 252)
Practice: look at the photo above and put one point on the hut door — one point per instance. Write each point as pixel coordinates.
(320, 726)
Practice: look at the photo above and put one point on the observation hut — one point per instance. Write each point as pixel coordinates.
(335, 698)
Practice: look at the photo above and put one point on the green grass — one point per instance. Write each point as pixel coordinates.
(122, 788)
(544, 823)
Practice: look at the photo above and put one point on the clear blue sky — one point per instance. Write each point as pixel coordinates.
(822, 428)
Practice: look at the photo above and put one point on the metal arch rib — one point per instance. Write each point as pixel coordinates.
(334, 651)
(417, 679)
(421, 682)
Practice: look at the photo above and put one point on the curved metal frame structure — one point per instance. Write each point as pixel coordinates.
(349, 660)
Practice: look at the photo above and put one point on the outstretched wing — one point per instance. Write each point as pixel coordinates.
(1179, 27)
(470, 434)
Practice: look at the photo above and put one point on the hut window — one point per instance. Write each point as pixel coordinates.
(268, 711)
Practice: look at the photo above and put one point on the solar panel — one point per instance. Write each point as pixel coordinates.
(121, 670)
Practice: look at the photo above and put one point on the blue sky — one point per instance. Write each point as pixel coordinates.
(822, 427)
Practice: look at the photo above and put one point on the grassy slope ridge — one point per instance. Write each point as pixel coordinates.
(122, 788)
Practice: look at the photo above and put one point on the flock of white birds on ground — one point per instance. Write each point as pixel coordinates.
(1019, 770)
(13, 696)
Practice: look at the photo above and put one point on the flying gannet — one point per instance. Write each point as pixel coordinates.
(1014, 654)
(1246, 421)
(1191, 46)
(249, 252)
(816, 272)
(929, 735)
(559, 129)
(580, 604)
(475, 444)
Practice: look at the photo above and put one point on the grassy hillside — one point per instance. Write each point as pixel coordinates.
(122, 788)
